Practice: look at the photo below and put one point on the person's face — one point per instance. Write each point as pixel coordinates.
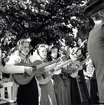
(43, 52)
(54, 53)
(25, 48)
(75, 53)
(79, 41)
(101, 13)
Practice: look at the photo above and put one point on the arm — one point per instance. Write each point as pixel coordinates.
(12, 69)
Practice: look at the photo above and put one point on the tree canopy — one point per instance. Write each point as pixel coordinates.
(43, 21)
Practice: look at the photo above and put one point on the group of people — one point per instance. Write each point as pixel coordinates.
(59, 77)
(61, 80)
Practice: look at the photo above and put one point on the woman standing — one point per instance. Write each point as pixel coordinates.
(76, 56)
(47, 90)
(58, 82)
(11, 68)
(27, 94)
(62, 81)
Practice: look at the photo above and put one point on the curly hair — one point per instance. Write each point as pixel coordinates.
(21, 42)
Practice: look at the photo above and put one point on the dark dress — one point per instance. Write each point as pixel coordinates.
(59, 90)
(28, 94)
(67, 85)
(84, 95)
(75, 96)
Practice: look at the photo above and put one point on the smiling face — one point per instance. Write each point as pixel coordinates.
(25, 48)
(43, 52)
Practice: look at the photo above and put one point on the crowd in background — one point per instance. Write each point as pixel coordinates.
(59, 75)
(72, 84)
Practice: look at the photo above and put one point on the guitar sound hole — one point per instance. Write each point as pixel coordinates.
(25, 75)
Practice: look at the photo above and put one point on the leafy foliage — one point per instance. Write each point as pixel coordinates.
(44, 21)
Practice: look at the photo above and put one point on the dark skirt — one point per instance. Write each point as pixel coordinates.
(75, 95)
(59, 90)
(62, 89)
(28, 94)
(67, 84)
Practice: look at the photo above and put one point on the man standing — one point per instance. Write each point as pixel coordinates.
(96, 44)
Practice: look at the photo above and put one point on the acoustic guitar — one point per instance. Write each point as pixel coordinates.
(38, 69)
(48, 75)
(79, 65)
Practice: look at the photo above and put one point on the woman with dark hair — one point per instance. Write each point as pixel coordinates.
(54, 52)
(58, 82)
(61, 80)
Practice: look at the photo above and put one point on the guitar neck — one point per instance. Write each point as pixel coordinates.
(50, 67)
(62, 64)
(47, 64)
(83, 62)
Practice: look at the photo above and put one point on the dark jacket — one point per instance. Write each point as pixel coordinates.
(96, 51)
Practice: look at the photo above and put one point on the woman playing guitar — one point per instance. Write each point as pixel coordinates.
(28, 93)
(61, 79)
(11, 68)
(78, 59)
(47, 91)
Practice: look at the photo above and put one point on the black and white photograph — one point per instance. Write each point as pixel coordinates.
(51, 52)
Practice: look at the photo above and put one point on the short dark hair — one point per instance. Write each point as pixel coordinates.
(55, 47)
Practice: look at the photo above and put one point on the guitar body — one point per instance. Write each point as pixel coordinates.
(80, 67)
(74, 75)
(43, 80)
(53, 70)
(57, 72)
(74, 65)
(23, 79)
(48, 76)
